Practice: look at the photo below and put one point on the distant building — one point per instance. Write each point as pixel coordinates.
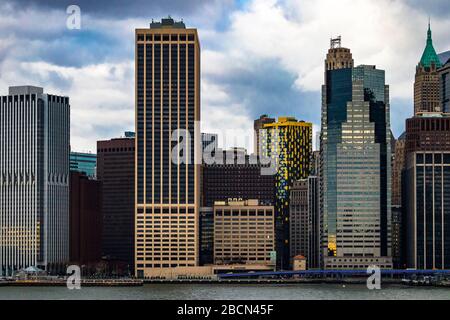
(85, 219)
(206, 236)
(258, 124)
(428, 132)
(211, 141)
(398, 231)
(299, 219)
(444, 87)
(116, 172)
(34, 180)
(315, 163)
(398, 165)
(236, 177)
(299, 263)
(427, 178)
(428, 209)
(426, 85)
(288, 143)
(84, 163)
(304, 221)
(243, 233)
(397, 208)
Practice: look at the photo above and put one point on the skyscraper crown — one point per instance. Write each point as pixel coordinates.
(429, 55)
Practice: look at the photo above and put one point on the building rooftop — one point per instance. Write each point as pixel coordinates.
(429, 55)
(432, 115)
(16, 90)
(444, 57)
(238, 202)
(167, 23)
(288, 121)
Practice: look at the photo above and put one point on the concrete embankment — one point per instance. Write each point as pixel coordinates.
(61, 282)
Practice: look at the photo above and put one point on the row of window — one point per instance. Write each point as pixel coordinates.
(165, 37)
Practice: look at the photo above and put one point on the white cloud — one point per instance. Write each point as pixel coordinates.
(101, 96)
(389, 34)
(294, 34)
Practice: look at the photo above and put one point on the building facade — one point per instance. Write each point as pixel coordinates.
(116, 173)
(304, 221)
(398, 165)
(428, 132)
(428, 209)
(299, 219)
(236, 176)
(426, 84)
(355, 187)
(210, 142)
(398, 227)
(258, 124)
(167, 191)
(34, 180)
(84, 163)
(206, 236)
(243, 233)
(288, 143)
(444, 87)
(85, 220)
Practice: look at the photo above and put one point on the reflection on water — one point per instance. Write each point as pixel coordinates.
(228, 292)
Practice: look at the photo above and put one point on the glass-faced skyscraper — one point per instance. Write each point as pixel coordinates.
(84, 163)
(34, 180)
(355, 164)
(167, 192)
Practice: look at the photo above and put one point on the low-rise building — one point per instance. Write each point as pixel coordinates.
(243, 233)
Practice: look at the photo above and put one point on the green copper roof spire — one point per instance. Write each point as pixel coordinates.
(429, 55)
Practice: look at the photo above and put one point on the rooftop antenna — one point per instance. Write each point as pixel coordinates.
(335, 43)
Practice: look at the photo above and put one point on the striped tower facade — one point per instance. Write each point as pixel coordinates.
(34, 179)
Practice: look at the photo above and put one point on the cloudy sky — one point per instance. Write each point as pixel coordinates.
(258, 56)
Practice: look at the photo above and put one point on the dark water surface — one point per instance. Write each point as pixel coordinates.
(227, 292)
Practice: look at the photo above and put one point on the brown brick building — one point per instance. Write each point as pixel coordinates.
(428, 133)
(115, 169)
(85, 219)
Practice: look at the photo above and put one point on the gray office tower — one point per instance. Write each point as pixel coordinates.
(428, 209)
(356, 164)
(34, 180)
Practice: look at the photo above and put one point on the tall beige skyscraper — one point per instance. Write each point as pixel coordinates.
(167, 191)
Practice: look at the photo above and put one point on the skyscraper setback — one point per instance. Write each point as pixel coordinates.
(34, 179)
(167, 192)
(356, 163)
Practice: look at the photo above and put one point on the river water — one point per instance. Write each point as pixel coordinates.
(227, 292)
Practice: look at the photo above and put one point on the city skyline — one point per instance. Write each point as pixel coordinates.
(94, 65)
(164, 150)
